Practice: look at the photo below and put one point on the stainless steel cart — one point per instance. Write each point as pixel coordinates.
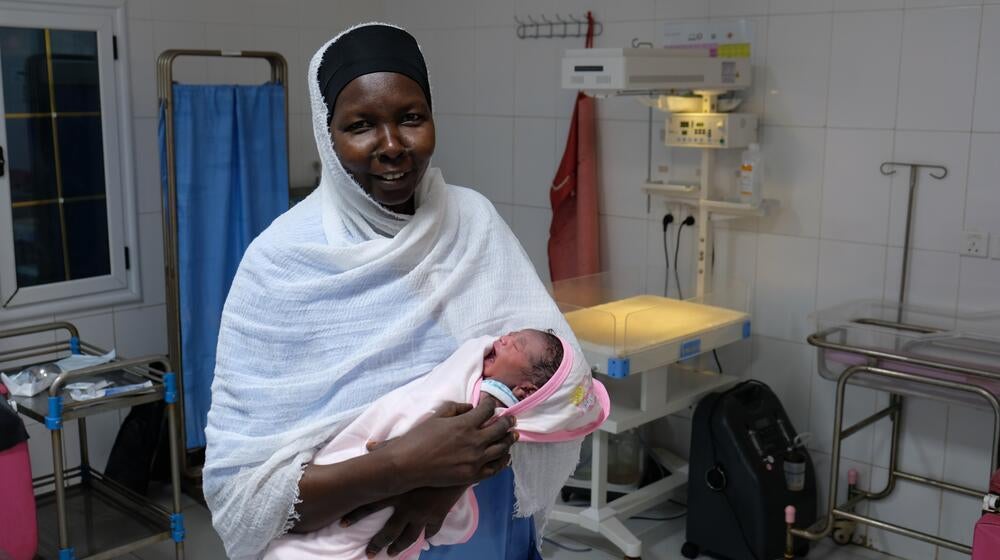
(96, 517)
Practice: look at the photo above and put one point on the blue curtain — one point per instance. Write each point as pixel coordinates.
(231, 167)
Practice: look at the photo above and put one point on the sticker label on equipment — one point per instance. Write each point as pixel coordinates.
(690, 348)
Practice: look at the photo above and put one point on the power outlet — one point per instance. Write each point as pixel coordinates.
(995, 246)
(975, 244)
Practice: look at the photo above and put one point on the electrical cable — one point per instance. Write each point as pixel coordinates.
(668, 518)
(664, 517)
(717, 362)
(677, 248)
(668, 219)
(564, 547)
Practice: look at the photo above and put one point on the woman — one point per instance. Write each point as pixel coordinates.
(368, 283)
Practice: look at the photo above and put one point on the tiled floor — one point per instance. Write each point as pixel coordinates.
(663, 540)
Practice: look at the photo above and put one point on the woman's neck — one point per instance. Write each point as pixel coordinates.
(408, 208)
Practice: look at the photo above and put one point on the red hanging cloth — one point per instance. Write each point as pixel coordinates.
(574, 240)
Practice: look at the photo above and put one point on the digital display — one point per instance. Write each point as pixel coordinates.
(684, 124)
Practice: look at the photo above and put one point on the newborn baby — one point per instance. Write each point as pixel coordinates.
(531, 374)
(517, 364)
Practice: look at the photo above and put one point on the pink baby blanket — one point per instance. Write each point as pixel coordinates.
(568, 406)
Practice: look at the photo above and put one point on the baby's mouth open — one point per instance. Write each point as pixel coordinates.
(489, 358)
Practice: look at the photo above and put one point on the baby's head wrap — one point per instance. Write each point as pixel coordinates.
(570, 405)
(366, 50)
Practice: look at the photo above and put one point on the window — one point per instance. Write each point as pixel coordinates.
(64, 231)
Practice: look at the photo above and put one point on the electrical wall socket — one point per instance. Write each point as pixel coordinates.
(975, 244)
(995, 246)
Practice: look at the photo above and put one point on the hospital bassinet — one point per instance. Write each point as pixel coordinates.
(876, 333)
(906, 351)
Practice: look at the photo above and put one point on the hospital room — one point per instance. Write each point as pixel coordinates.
(500, 279)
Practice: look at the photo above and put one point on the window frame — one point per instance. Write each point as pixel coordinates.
(122, 285)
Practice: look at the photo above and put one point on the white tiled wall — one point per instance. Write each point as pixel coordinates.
(842, 85)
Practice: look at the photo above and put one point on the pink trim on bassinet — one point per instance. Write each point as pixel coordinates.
(852, 359)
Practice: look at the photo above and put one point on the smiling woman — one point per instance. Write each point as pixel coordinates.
(383, 133)
(359, 289)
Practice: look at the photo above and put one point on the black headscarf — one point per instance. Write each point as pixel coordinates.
(369, 49)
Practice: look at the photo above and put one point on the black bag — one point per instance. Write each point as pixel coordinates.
(12, 430)
(140, 444)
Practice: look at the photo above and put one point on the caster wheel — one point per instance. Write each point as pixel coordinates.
(690, 550)
(843, 532)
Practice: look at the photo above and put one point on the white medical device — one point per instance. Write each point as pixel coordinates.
(711, 130)
(605, 72)
(639, 336)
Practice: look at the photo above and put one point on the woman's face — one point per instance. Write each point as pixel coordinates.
(383, 134)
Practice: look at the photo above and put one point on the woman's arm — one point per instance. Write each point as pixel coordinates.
(450, 449)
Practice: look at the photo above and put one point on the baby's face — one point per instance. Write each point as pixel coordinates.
(513, 355)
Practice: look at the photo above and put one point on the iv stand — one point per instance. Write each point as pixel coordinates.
(887, 169)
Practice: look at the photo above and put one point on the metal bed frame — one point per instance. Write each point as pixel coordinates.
(51, 410)
(889, 365)
(894, 411)
(164, 85)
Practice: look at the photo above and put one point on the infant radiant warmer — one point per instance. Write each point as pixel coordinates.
(646, 349)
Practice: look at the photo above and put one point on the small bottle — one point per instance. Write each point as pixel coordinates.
(750, 175)
(795, 470)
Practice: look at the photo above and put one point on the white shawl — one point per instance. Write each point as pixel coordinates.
(339, 302)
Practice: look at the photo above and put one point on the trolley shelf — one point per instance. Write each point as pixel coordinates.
(37, 407)
(684, 389)
(99, 526)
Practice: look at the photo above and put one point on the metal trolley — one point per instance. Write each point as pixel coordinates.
(95, 500)
(923, 366)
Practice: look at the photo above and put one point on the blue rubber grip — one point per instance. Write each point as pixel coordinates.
(74, 344)
(67, 554)
(53, 420)
(177, 527)
(170, 384)
(618, 367)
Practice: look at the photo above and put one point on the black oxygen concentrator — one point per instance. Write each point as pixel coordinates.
(737, 487)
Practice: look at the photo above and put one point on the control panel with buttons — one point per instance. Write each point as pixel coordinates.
(711, 130)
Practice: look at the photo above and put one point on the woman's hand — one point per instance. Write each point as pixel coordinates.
(453, 447)
(420, 510)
